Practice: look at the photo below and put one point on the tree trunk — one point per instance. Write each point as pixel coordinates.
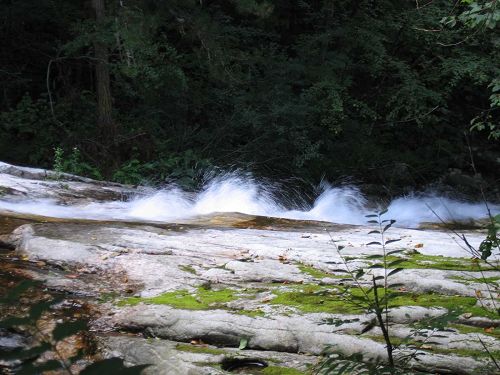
(106, 125)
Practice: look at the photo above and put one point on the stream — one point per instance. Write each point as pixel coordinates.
(163, 279)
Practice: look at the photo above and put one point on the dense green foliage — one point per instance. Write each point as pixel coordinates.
(384, 91)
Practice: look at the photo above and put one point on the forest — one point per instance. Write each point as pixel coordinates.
(389, 93)
(272, 187)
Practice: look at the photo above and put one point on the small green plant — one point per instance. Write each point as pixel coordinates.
(44, 354)
(133, 172)
(185, 169)
(481, 254)
(202, 299)
(379, 303)
(376, 295)
(243, 343)
(492, 240)
(73, 164)
(58, 165)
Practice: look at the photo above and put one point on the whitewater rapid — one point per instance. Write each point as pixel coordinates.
(243, 194)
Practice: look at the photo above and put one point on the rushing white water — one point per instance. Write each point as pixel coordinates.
(240, 193)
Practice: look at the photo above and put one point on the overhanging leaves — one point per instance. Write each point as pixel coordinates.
(395, 271)
(66, 329)
(112, 366)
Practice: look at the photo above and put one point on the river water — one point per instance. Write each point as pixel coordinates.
(244, 194)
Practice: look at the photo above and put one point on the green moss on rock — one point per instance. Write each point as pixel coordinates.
(202, 299)
(421, 261)
(279, 370)
(317, 273)
(314, 272)
(199, 349)
(466, 304)
(188, 269)
(250, 313)
(462, 352)
(464, 329)
(495, 280)
(316, 298)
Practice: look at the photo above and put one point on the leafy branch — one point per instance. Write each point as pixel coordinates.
(35, 359)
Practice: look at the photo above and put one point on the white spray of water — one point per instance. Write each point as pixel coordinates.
(412, 210)
(344, 205)
(236, 193)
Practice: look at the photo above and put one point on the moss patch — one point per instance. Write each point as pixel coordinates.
(466, 304)
(415, 260)
(199, 349)
(474, 353)
(311, 271)
(202, 299)
(457, 303)
(462, 328)
(421, 261)
(316, 298)
(317, 273)
(432, 300)
(188, 269)
(108, 297)
(395, 341)
(251, 313)
(279, 370)
(466, 280)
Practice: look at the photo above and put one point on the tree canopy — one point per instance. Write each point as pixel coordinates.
(385, 91)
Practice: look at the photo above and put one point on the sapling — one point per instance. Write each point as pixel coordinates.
(374, 297)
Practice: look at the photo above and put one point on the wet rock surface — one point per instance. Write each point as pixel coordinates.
(21, 183)
(267, 285)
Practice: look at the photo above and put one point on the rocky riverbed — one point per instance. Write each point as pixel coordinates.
(194, 295)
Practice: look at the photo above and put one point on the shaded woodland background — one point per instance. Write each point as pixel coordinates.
(382, 91)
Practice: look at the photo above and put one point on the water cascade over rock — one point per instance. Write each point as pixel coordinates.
(232, 266)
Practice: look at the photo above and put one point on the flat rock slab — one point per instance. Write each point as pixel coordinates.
(168, 357)
(168, 259)
(255, 266)
(276, 287)
(23, 183)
